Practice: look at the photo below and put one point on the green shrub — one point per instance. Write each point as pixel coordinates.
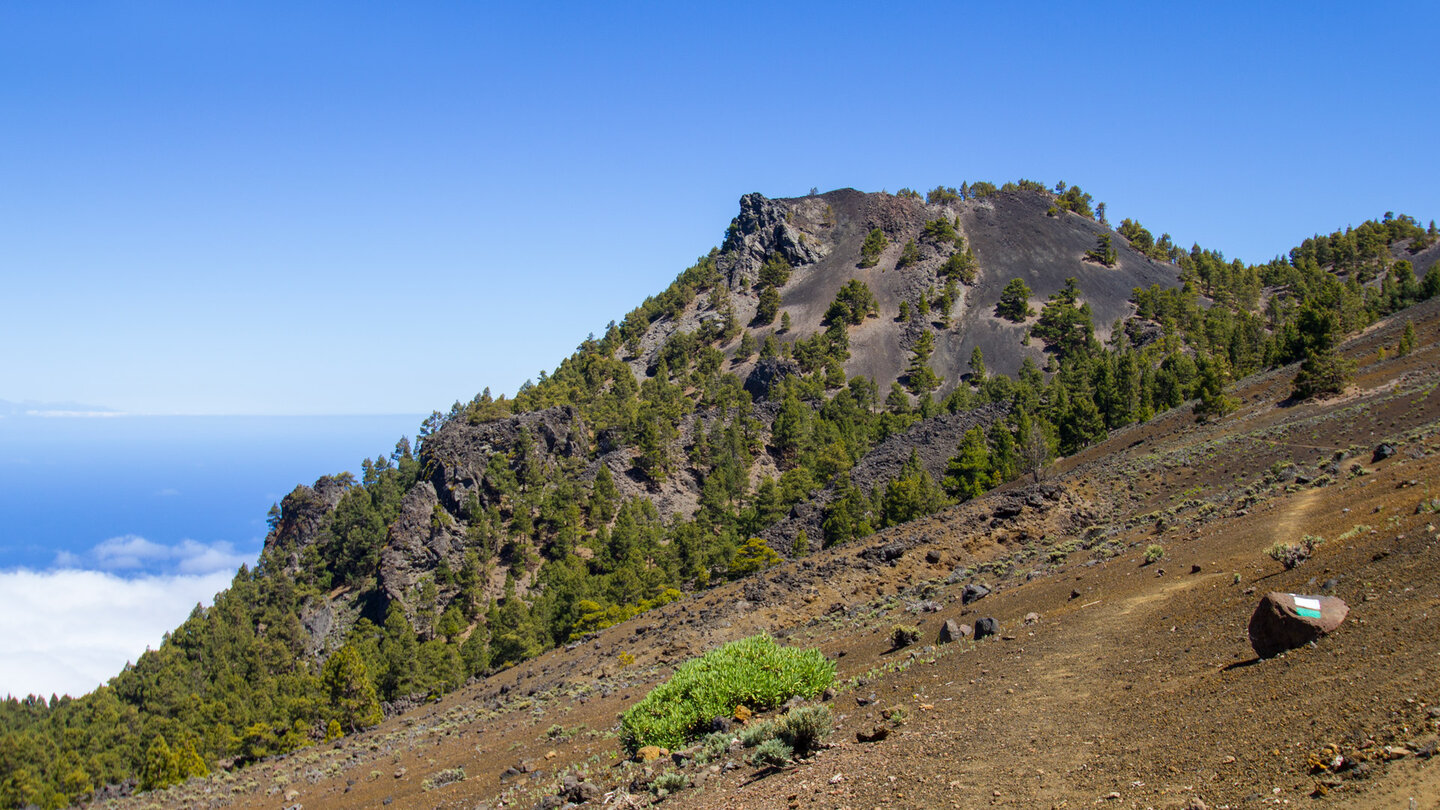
(771, 754)
(803, 727)
(713, 746)
(669, 782)
(875, 244)
(1291, 555)
(755, 672)
(903, 635)
(1154, 554)
(756, 733)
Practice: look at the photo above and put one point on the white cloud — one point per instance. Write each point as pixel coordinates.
(132, 552)
(68, 631)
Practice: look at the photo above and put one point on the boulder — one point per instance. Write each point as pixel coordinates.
(1382, 451)
(952, 631)
(650, 753)
(986, 627)
(1284, 621)
(973, 593)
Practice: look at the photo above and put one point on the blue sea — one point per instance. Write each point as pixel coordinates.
(72, 485)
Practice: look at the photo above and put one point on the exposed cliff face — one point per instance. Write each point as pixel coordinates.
(458, 456)
(764, 226)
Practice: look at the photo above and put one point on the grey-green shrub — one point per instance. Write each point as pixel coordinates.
(713, 746)
(803, 727)
(757, 733)
(755, 672)
(771, 754)
(669, 782)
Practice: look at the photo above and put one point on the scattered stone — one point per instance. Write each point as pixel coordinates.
(1112, 796)
(952, 631)
(828, 694)
(1284, 621)
(650, 753)
(721, 723)
(1074, 594)
(866, 700)
(1195, 569)
(1032, 618)
(1383, 451)
(875, 734)
(973, 593)
(986, 627)
(742, 713)
(1194, 804)
(932, 556)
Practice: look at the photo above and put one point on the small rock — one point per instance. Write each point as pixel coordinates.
(1195, 569)
(1284, 621)
(986, 627)
(742, 713)
(1032, 618)
(1194, 804)
(722, 723)
(827, 695)
(1113, 796)
(1075, 594)
(650, 753)
(875, 734)
(973, 593)
(932, 556)
(1383, 451)
(866, 700)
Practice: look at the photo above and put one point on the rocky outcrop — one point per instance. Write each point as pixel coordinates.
(762, 227)
(767, 373)
(302, 518)
(418, 539)
(459, 455)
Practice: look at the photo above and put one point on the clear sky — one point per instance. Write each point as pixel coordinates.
(269, 207)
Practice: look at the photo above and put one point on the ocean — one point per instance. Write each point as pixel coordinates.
(71, 484)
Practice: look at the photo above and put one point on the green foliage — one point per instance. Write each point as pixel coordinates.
(1103, 252)
(670, 782)
(967, 475)
(870, 250)
(1153, 554)
(853, 303)
(903, 635)
(775, 272)
(909, 255)
(1323, 373)
(1291, 555)
(754, 672)
(353, 699)
(1407, 339)
(766, 307)
(754, 556)
(803, 727)
(756, 732)
(920, 379)
(772, 753)
(1014, 304)
(942, 195)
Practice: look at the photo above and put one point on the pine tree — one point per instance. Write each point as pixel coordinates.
(162, 767)
(920, 379)
(1407, 339)
(967, 475)
(1014, 304)
(977, 366)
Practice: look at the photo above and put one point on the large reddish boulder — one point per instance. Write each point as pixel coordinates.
(1284, 621)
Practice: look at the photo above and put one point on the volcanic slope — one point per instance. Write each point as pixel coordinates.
(1132, 686)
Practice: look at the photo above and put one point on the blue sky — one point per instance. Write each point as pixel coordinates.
(381, 208)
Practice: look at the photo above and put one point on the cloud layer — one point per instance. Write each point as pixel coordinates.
(71, 629)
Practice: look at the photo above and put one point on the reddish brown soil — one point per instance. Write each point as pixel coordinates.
(1136, 688)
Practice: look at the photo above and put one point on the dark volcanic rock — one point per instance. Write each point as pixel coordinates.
(767, 373)
(973, 592)
(952, 631)
(1383, 451)
(987, 626)
(1284, 621)
(763, 227)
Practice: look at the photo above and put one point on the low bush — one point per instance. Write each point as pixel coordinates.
(903, 635)
(756, 733)
(772, 753)
(803, 727)
(755, 672)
